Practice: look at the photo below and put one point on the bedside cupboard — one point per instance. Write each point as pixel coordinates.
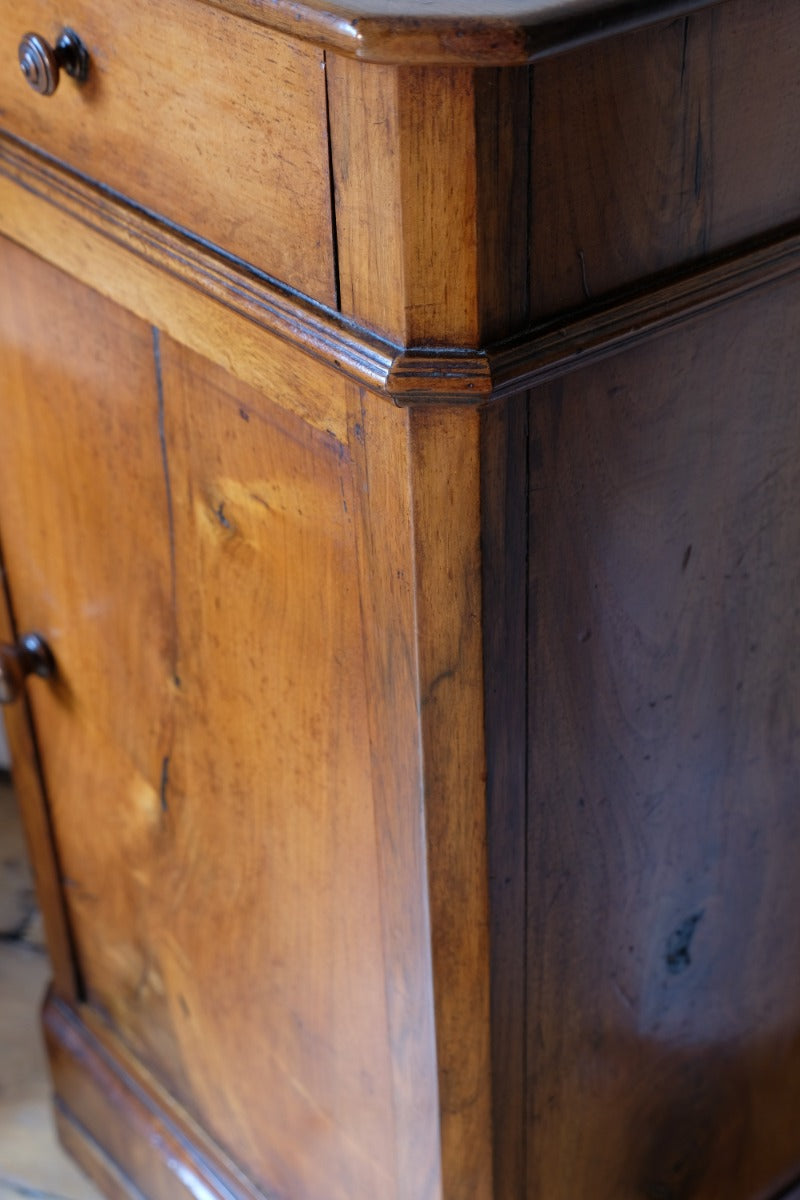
(400, 525)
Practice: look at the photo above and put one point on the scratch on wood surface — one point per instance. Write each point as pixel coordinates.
(164, 783)
(170, 507)
(584, 280)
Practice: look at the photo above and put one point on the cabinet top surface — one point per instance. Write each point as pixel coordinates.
(480, 32)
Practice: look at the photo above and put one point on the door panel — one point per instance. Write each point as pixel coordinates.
(188, 550)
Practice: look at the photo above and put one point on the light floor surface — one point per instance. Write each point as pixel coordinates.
(32, 1164)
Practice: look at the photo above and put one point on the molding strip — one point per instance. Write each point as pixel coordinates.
(415, 376)
(558, 347)
(279, 310)
(122, 1128)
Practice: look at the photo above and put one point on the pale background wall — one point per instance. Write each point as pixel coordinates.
(4, 761)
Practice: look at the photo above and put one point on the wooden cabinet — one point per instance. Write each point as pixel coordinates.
(400, 458)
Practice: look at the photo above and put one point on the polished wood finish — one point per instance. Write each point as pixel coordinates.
(415, 803)
(219, 309)
(680, 113)
(445, 484)
(213, 123)
(663, 1036)
(28, 656)
(37, 824)
(412, 275)
(148, 1147)
(246, 492)
(450, 32)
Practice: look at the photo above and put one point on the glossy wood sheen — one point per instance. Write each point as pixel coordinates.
(37, 824)
(656, 149)
(206, 119)
(663, 1033)
(246, 493)
(418, 818)
(411, 274)
(436, 32)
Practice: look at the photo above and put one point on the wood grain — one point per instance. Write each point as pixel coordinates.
(423, 780)
(215, 308)
(126, 1132)
(381, 447)
(445, 474)
(212, 122)
(663, 951)
(172, 535)
(442, 32)
(655, 149)
(504, 552)
(220, 310)
(403, 146)
(431, 170)
(36, 819)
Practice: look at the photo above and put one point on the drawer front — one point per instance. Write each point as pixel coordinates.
(213, 122)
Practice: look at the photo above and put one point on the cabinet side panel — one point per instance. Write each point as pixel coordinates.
(657, 148)
(504, 501)
(664, 829)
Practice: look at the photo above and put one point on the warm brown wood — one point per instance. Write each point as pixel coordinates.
(658, 148)
(664, 952)
(36, 819)
(176, 499)
(445, 481)
(403, 145)
(431, 170)
(94, 1162)
(187, 293)
(380, 442)
(211, 121)
(499, 32)
(148, 1148)
(171, 281)
(422, 775)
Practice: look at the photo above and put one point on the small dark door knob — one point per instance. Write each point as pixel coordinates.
(41, 63)
(30, 656)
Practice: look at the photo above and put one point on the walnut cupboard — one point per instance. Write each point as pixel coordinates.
(400, 569)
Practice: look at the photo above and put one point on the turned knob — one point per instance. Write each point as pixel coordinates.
(41, 63)
(30, 656)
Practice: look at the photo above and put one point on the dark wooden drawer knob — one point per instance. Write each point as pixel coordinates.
(41, 63)
(30, 656)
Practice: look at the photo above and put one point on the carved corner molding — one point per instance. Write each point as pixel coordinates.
(407, 376)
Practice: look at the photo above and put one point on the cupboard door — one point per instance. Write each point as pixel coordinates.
(186, 546)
